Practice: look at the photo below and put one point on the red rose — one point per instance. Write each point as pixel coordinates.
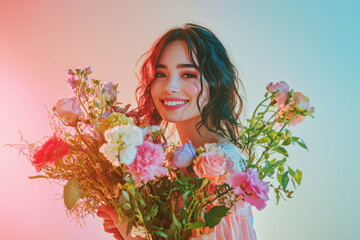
(50, 152)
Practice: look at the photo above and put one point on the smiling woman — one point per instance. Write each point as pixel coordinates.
(188, 79)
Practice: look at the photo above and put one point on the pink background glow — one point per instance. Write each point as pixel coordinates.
(313, 45)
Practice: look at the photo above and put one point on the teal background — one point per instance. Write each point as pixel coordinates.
(312, 45)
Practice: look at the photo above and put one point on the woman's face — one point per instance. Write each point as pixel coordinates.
(177, 85)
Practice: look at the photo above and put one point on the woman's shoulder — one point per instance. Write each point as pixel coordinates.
(233, 153)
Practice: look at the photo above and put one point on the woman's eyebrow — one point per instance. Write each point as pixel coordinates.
(183, 65)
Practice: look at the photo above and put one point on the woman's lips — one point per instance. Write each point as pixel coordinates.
(173, 107)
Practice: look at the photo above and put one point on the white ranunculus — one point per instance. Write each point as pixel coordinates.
(121, 142)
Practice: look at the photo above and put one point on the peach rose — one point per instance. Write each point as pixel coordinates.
(302, 102)
(211, 165)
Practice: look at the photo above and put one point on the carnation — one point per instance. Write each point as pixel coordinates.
(121, 142)
(51, 151)
(147, 164)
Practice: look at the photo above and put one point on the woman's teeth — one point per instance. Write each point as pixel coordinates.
(173, 103)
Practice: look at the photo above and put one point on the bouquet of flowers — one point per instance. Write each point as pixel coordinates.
(113, 164)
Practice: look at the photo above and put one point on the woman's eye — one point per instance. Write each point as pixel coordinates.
(159, 75)
(189, 75)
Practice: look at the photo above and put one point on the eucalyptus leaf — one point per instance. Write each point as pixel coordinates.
(72, 192)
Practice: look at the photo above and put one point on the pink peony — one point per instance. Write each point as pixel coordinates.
(68, 108)
(211, 165)
(183, 156)
(249, 185)
(147, 163)
(283, 91)
(51, 151)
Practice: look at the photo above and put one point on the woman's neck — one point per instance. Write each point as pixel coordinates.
(187, 131)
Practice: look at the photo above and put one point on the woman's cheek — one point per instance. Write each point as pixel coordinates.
(192, 89)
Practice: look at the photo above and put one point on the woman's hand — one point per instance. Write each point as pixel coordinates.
(112, 223)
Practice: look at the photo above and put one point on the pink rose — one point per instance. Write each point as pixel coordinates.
(183, 156)
(51, 151)
(283, 91)
(68, 108)
(211, 165)
(110, 93)
(249, 185)
(147, 164)
(300, 104)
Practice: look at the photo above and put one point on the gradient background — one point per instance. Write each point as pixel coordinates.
(313, 45)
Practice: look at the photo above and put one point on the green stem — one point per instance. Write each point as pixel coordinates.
(268, 147)
(87, 113)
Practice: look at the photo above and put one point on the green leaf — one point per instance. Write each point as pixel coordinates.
(281, 150)
(284, 180)
(126, 195)
(287, 133)
(292, 173)
(279, 163)
(177, 223)
(186, 199)
(278, 176)
(161, 233)
(72, 192)
(263, 140)
(126, 206)
(197, 224)
(286, 142)
(214, 216)
(298, 175)
(302, 144)
(267, 164)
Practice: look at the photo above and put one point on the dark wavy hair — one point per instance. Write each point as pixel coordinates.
(221, 113)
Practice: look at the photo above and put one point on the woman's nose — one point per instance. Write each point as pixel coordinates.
(172, 85)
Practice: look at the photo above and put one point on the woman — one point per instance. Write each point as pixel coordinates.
(188, 79)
